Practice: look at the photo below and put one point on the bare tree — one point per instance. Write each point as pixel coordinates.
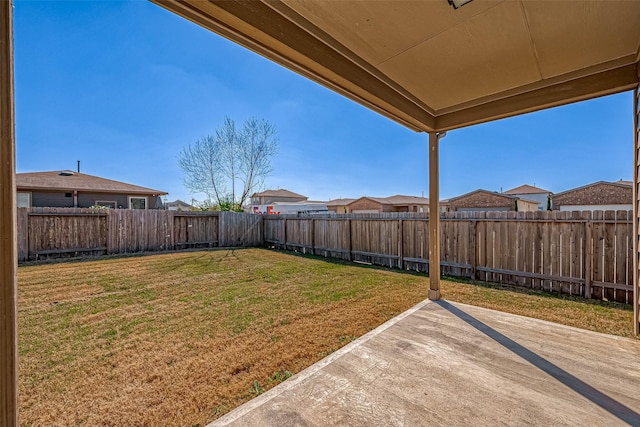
(212, 165)
(201, 164)
(259, 145)
(229, 141)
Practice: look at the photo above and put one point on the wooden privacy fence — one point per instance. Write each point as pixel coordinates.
(51, 232)
(576, 253)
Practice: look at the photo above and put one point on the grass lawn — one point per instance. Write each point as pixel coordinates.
(182, 338)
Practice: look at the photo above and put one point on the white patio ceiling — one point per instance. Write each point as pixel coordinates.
(431, 67)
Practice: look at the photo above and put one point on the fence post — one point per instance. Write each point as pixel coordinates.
(8, 229)
(588, 257)
(313, 236)
(473, 250)
(221, 237)
(284, 233)
(350, 255)
(23, 233)
(400, 245)
(170, 222)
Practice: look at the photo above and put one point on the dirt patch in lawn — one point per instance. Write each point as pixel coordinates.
(182, 338)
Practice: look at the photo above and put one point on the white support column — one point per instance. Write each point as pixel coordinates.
(636, 212)
(8, 229)
(434, 218)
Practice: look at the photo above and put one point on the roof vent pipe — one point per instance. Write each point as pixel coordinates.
(78, 166)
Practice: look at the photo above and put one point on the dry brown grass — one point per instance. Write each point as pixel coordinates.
(179, 339)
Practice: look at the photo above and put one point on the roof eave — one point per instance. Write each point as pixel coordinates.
(88, 190)
(277, 32)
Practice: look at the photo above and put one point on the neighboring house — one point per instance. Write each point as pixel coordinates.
(339, 206)
(282, 195)
(178, 205)
(599, 195)
(483, 201)
(68, 189)
(533, 193)
(397, 203)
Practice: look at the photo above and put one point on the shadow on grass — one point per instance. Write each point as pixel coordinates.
(465, 281)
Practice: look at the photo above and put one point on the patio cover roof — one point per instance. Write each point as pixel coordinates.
(432, 67)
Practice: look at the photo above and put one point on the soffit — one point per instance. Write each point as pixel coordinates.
(431, 67)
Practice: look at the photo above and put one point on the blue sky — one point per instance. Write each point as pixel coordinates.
(124, 86)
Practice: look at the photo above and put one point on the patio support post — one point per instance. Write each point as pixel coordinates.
(8, 245)
(636, 212)
(434, 218)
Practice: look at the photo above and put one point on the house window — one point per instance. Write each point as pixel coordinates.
(68, 194)
(23, 200)
(137, 203)
(106, 204)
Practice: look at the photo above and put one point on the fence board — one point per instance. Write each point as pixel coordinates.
(23, 233)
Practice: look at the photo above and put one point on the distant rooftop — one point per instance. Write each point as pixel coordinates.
(527, 189)
(279, 193)
(340, 202)
(70, 180)
(178, 203)
(400, 199)
(397, 200)
(620, 183)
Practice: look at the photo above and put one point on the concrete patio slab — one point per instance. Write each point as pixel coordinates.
(444, 363)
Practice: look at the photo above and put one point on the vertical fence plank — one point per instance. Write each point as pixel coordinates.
(588, 255)
(23, 233)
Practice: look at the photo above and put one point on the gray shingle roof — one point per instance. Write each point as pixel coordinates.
(69, 181)
(278, 193)
(527, 189)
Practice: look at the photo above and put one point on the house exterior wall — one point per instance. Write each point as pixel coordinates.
(267, 200)
(482, 202)
(599, 194)
(55, 199)
(527, 206)
(541, 198)
(397, 209)
(596, 207)
(46, 199)
(366, 205)
(340, 209)
(489, 209)
(86, 200)
(407, 208)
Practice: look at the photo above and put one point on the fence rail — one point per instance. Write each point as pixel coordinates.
(577, 253)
